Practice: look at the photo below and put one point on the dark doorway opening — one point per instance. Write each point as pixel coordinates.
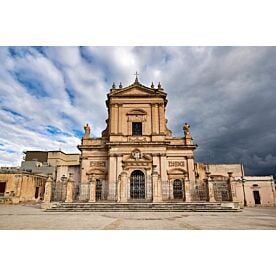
(137, 185)
(177, 189)
(98, 189)
(257, 197)
(2, 188)
(36, 192)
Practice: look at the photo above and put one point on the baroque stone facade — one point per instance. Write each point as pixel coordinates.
(137, 158)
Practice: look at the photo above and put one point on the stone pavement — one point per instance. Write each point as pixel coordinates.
(32, 217)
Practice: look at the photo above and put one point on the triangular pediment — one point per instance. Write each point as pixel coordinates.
(136, 89)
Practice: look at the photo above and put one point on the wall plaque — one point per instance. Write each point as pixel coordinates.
(97, 164)
(176, 163)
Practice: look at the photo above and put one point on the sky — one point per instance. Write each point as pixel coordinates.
(226, 94)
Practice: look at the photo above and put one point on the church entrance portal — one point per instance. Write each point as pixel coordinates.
(177, 189)
(137, 185)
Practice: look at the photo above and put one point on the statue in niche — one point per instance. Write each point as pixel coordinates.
(86, 131)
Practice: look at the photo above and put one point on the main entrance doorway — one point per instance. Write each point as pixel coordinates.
(257, 197)
(137, 185)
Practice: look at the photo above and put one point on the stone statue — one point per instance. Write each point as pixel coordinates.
(186, 129)
(86, 131)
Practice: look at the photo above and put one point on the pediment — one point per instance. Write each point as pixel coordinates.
(176, 171)
(136, 90)
(95, 171)
(137, 112)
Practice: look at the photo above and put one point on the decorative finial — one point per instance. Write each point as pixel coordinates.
(136, 78)
(113, 85)
(120, 85)
(159, 85)
(152, 85)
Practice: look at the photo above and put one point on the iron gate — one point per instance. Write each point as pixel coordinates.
(137, 185)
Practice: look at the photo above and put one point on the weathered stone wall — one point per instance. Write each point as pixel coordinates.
(21, 187)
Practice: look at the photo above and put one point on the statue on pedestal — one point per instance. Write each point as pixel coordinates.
(86, 131)
(186, 129)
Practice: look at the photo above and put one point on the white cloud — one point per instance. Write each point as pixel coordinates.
(225, 93)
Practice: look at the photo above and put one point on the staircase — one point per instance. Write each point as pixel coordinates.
(145, 207)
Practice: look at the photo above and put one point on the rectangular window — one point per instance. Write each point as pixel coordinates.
(136, 128)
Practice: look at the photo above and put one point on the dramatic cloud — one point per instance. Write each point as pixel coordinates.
(227, 94)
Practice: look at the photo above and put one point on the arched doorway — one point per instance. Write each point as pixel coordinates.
(177, 189)
(137, 185)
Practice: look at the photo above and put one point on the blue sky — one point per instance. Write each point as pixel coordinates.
(227, 94)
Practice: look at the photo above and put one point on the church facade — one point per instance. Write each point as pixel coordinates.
(137, 158)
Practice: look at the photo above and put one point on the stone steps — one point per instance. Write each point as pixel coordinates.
(142, 207)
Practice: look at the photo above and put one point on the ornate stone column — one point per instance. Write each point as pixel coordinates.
(210, 188)
(232, 187)
(48, 190)
(69, 190)
(92, 192)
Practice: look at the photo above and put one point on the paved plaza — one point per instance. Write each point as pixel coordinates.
(32, 217)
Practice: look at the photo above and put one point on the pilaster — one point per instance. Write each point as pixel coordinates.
(92, 191)
(187, 190)
(112, 171)
(210, 188)
(162, 119)
(123, 187)
(48, 190)
(69, 190)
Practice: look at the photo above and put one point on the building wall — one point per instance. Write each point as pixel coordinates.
(60, 158)
(67, 170)
(21, 186)
(38, 167)
(266, 187)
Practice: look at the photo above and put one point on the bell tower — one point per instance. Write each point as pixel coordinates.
(136, 112)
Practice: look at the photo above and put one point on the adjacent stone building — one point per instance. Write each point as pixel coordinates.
(21, 186)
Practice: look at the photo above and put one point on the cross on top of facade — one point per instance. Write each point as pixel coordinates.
(136, 78)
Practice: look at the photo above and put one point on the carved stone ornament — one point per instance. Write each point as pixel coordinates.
(136, 154)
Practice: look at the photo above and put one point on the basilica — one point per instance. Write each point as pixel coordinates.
(138, 160)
